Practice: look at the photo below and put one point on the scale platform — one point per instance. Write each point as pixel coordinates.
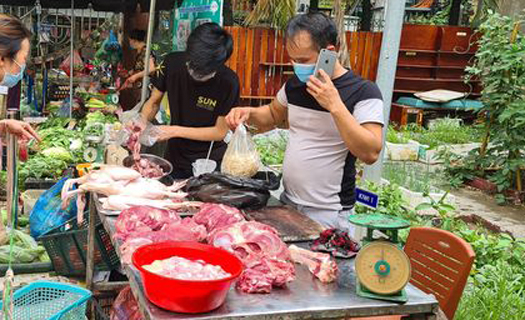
(382, 267)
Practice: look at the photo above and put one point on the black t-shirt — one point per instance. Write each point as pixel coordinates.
(195, 104)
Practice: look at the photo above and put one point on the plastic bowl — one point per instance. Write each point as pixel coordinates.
(202, 166)
(163, 163)
(186, 296)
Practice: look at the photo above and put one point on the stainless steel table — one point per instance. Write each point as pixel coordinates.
(305, 298)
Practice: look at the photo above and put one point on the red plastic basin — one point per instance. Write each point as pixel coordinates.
(184, 295)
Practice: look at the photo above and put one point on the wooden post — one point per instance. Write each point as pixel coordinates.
(366, 19)
(90, 259)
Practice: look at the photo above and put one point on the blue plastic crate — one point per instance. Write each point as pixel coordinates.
(43, 300)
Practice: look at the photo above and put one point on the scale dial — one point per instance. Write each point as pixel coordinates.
(382, 267)
(90, 154)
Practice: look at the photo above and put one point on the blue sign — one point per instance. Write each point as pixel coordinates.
(366, 198)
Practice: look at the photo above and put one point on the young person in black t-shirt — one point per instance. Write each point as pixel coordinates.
(201, 92)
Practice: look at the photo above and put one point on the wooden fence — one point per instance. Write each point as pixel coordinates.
(260, 60)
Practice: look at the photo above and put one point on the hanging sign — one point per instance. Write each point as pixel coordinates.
(191, 14)
(366, 198)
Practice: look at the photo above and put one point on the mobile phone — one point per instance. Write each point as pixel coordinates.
(325, 61)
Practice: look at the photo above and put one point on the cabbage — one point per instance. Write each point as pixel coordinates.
(58, 153)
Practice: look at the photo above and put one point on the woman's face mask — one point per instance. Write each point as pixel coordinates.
(10, 80)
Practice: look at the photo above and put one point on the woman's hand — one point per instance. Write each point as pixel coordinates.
(129, 82)
(20, 129)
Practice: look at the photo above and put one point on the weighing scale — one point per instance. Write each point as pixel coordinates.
(96, 149)
(112, 97)
(382, 267)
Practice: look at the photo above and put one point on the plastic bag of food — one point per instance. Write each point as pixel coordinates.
(137, 129)
(47, 213)
(241, 158)
(242, 193)
(78, 64)
(125, 306)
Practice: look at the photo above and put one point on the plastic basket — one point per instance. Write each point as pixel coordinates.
(67, 248)
(103, 304)
(43, 300)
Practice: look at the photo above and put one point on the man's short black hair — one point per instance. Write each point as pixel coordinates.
(320, 27)
(209, 46)
(138, 35)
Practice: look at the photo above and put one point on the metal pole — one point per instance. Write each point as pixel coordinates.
(71, 62)
(12, 171)
(394, 16)
(145, 80)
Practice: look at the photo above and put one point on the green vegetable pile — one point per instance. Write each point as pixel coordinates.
(272, 147)
(61, 147)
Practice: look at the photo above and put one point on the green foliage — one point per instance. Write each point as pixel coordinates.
(486, 9)
(391, 202)
(444, 131)
(411, 176)
(500, 66)
(394, 136)
(497, 292)
(276, 13)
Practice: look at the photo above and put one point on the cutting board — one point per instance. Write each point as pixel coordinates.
(293, 226)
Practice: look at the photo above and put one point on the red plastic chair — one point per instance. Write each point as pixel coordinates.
(441, 263)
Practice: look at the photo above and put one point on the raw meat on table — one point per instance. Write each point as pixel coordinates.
(320, 264)
(141, 225)
(264, 254)
(262, 275)
(143, 219)
(184, 269)
(181, 231)
(336, 242)
(215, 216)
(250, 239)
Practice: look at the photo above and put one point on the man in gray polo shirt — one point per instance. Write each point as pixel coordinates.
(332, 122)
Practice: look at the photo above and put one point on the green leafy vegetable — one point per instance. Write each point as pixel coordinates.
(271, 148)
(40, 167)
(25, 250)
(58, 153)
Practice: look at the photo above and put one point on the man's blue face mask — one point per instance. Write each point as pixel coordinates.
(303, 71)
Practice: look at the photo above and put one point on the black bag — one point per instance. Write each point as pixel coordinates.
(241, 193)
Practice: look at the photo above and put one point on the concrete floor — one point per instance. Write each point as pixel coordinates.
(507, 218)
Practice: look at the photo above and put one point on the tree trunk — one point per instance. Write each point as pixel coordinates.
(486, 139)
(455, 13)
(366, 18)
(314, 5)
(227, 12)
